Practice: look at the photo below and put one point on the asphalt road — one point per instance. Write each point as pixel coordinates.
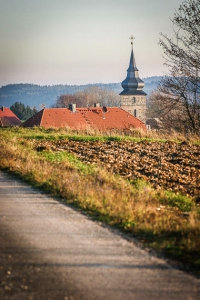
(49, 251)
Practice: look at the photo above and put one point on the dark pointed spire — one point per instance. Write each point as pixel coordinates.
(132, 81)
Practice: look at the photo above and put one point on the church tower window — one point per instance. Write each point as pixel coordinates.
(133, 100)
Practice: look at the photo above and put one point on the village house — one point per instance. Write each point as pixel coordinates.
(8, 118)
(99, 118)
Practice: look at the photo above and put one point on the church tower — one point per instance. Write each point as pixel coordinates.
(133, 98)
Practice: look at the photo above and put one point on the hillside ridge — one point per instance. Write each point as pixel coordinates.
(36, 95)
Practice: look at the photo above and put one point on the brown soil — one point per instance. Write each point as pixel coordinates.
(168, 165)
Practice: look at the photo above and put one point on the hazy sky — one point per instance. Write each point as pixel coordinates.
(81, 41)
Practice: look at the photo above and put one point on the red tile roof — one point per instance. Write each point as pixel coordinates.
(56, 117)
(8, 118)
(83, 118)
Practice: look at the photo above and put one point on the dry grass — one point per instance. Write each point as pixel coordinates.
(156, 218)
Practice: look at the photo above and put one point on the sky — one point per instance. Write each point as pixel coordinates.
(49, 42)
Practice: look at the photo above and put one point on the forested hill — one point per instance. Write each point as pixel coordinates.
(37, 96)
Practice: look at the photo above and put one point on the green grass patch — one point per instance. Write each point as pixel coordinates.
(40, 133)
(52, 134)
(58, 157)
(183, 203)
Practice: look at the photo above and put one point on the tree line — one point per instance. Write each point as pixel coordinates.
(36, 95)
(23, 112)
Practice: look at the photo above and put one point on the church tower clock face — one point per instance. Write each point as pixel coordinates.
(133, 98)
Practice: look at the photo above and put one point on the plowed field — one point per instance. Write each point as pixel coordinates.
(172, 166)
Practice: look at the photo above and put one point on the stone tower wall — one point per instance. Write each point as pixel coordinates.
(135, 105)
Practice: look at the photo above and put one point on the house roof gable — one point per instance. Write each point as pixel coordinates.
(8, 118)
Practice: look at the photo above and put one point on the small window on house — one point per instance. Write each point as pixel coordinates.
(135, 113)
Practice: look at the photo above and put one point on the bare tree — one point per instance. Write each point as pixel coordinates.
(171, 113)
(65, 99)
(180, 90)
(88, 97)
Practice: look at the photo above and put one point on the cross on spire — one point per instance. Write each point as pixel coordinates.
(131, 38)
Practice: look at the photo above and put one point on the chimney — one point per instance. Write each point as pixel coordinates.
(96, 104)
(2, 108)
(72, 107)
